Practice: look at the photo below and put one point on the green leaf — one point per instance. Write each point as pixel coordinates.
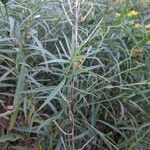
(4, 1)
(13, 119)
(10, 137)
(20, 86)
(53, 94)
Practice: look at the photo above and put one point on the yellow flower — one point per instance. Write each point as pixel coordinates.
(133, 13)
(137, 25)
(77, 63)
(118, 14)
(137, 54)
(147, 26)
(148, 42)
(117, 1)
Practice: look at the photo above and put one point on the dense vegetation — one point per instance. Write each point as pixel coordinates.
(75, 74)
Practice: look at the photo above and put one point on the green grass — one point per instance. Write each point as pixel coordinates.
(74, 75)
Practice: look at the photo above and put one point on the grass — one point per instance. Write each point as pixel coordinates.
(74, 75)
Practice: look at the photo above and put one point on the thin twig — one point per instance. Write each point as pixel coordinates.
(86, 143)
(62, 129)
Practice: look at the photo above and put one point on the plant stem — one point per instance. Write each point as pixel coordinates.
(76, 6)
(6, 13)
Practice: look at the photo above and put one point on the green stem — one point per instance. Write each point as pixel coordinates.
(6, 12)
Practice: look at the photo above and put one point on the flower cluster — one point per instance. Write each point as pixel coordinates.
(147, 26)
(138, 25)
(133, 13)
(137, 54)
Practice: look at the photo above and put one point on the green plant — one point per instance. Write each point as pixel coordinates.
(72, 76)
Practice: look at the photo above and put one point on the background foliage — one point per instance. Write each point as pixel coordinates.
(74, 74)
